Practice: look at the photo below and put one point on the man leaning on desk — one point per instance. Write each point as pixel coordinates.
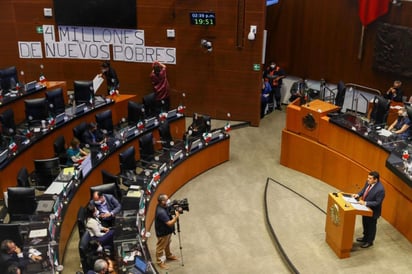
(371, 195)
(108, 206)
(12, 255)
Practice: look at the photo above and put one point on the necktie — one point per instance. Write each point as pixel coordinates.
(366, 192)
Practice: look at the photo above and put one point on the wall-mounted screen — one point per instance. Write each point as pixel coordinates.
(96, 13)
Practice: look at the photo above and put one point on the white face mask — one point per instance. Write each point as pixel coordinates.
(168, 202)
(99, 249)
(272, 66)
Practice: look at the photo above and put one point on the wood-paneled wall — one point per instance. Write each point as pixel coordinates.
(320, 39)
(215, 83)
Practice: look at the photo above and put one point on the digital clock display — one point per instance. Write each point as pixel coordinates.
(203, 18)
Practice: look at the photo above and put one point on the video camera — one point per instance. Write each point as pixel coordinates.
(179, 206)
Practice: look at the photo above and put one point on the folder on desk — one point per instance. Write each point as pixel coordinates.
(45, 206)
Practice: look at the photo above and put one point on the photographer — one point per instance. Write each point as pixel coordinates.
(164, 226)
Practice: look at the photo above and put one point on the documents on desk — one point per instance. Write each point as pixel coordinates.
(56, 188)
(355, 204)
(384, 132)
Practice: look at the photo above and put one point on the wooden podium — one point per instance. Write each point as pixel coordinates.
(340, 224)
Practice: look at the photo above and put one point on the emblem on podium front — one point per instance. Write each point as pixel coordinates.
(309, 122)
(334, 214)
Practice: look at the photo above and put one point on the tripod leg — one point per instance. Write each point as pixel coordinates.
(180, 242)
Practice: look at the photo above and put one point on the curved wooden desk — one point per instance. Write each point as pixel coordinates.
(43, 148)
(17, 104)
(343, 159)
(192, 166)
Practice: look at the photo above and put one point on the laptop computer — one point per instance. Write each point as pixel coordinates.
(140, 264)
(150, 122)
(30, 86)
(60, 118)
(172, 113)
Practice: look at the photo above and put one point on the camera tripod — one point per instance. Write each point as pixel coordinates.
(180, 241)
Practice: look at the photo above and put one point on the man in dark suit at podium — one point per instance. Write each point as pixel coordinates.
(371, 195)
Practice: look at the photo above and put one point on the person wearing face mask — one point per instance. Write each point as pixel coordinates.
(95, 251)
(111, 78)
(107, 207)
(164, 227)
(274, 75)
(402, 125)
(97, 231)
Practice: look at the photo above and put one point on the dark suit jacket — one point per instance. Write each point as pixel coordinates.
(112, 204)
(9, 259)
(374, 198)
(88, 137)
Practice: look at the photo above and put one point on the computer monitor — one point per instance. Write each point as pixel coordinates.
(55, 101)
(380, 110)
(36, 110)
(46, 171)
(8, 78)
(21, 201)
(83, 91)
(11, 232)
(135, 112)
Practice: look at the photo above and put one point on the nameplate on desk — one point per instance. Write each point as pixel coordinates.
(38, 233)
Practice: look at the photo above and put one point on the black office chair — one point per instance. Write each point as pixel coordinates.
(55, 101)
(149, 102)
(128, 164)
(59, 147)
(146, 148)
(81, 221)
(340, 95)
(23, 178)
(21, 203)
(166, 137)
(7, 122)
(85, 238)
(79, 130)
(36, 110)
(135, 112)
(105, 122)
(8, 79)
(380, 110)
(109, 178)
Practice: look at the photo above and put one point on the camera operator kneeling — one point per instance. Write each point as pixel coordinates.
(164, 226)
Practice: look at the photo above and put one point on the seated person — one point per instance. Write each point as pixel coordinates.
(107, 207)
(100, 267)
(264, 97)
(402, 125)
(11, 254)
(198, 126)
(98, 232)
(96, 251)
(298, 90)
(75, 155)
(395, 93)
(92, 136)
